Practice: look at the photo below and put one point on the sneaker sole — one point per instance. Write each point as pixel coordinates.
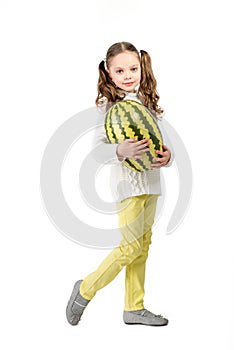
(145, 324)
(73, 296)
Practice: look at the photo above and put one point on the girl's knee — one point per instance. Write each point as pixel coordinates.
(131, 251)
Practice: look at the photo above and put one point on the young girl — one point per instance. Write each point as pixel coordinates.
(127, 74)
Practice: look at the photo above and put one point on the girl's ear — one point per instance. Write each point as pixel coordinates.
(109, 74)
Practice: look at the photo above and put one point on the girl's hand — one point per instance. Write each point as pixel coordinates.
(165, 157)
(131, 148)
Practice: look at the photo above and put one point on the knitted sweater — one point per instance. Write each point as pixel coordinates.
(125, 182)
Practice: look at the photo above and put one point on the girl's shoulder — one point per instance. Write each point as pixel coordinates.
(102, 105)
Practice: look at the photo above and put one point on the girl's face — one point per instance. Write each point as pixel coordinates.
(125, 71)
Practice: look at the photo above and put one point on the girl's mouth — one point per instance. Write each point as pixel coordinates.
(128, 84)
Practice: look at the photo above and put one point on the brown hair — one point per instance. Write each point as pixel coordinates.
(108, 93)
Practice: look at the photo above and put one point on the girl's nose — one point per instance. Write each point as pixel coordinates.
(128, 75)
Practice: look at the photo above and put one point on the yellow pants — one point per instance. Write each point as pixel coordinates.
(136, 217)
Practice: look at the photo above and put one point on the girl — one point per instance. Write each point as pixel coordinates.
(127, 74)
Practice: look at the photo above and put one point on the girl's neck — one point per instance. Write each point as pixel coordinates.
(124, 93)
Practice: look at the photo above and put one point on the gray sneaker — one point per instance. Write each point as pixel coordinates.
(144, 317)
(76, 305)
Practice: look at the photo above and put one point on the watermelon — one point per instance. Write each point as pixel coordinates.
(130, 119)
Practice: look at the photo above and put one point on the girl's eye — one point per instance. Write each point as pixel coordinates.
(119, 71)
(134, 69)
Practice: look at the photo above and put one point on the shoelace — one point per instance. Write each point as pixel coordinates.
(148, 313)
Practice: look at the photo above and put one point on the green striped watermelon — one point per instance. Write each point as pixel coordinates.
(128, 119)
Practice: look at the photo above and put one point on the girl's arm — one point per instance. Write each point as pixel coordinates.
(167, 155)
(102, 150)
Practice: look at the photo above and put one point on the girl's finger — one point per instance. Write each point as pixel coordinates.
(141, 142)
(144, 150)
(161, 153)
(159, 160)
(131, 140)
(143, 145)
(138, 157)
(157, 166)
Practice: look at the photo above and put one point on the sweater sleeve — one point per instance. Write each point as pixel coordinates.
(102, 150)
(167, 142)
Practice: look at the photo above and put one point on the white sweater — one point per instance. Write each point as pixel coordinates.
(124, 181)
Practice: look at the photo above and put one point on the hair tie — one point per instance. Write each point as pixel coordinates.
(105, 66)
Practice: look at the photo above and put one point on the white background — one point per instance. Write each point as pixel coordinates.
(50, 51)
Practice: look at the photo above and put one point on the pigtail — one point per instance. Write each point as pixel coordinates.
(107, 91)
(148, 85)
(102, 84)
